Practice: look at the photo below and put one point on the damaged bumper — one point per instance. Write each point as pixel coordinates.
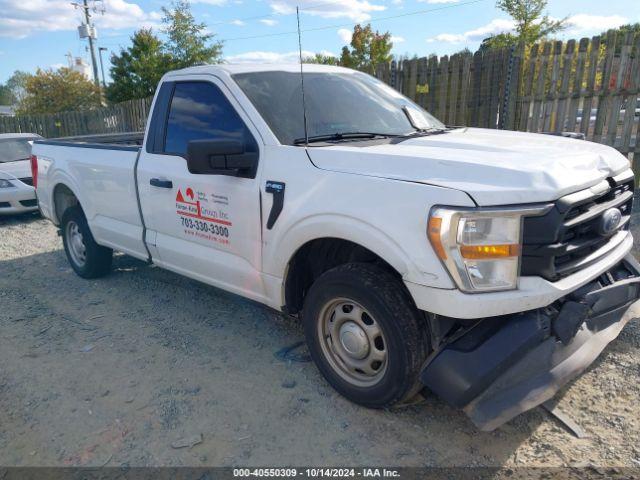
(506, 365)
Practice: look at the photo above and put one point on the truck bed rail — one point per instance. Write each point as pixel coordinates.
(131, 141)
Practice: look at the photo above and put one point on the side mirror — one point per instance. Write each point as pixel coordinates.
(221, 157)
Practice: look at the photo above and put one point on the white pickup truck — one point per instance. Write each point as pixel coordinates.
(490, 267)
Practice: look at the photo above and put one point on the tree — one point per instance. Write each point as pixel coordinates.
(14, 86)
(630, 28)
(63, 90)
(188, 43)
(368, 49)
(464, 52)
(322, 59)
(531, 25)
(136, 71)
(633, 28)
(500, 40)
(6, 95)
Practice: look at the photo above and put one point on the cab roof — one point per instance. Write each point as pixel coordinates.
(233, 68)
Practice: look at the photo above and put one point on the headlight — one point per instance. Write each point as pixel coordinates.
(480, 248)
(6, 183)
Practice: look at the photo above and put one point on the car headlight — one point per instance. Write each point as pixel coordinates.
(480, 248)
(5, 183)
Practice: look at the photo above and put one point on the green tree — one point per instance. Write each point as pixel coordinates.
(499, 40)
(464, 52)
(15, 84)
(188, 43)
(531, 24)
(6, 96)
(633, 28)
(322, 59)
(621, 32)
(368, 49)
(49, 91)
(136, 71)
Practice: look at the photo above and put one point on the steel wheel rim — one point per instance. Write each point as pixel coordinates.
(75, 243)
(353, 342)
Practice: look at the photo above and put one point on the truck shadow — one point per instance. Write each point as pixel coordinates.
(203, 360)
(21, 218)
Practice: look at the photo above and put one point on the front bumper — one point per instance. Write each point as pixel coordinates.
(506, 365)
(19, 199)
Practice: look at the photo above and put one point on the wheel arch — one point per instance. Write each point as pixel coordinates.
(63, 197)
(317, 256)
(315, 253)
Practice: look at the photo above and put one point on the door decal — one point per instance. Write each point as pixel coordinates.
(204, 215)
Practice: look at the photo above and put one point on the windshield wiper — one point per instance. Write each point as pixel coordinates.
(332, 137)
(423, 132)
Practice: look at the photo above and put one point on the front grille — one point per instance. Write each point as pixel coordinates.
(29, 203)
(569, 236)
(27, 180)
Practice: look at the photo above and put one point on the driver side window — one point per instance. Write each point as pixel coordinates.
(200, 111)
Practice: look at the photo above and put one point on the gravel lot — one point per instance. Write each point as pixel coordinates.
(128, 369)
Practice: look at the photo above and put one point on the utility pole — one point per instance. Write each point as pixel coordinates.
(88, 31)
(87, 16)
(100, 50)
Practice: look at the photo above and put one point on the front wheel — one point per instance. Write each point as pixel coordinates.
(87, 258)
(365, 334)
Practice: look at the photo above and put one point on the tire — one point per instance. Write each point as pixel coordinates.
(385, 310)
(94, 260)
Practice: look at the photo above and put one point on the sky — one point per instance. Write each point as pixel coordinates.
(39, 33)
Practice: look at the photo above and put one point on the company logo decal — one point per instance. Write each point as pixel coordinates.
(202, 220)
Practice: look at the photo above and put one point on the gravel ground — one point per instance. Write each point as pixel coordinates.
(128, 369)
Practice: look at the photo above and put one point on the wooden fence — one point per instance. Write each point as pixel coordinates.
(590, 86)
(130, 116)
(463, 89)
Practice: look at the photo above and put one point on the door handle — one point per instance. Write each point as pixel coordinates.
(156, 182)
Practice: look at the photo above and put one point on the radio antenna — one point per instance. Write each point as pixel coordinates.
(304, 105)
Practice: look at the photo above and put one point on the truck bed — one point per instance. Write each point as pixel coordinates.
(100, 171)
(111, 141)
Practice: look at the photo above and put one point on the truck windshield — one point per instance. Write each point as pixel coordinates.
(14, 149)
(336, 103)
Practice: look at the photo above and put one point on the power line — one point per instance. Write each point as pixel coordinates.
(377, 19)
(275, 14)
(329, 27)
(256, 17)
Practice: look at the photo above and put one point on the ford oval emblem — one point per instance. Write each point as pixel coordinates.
(610, 221)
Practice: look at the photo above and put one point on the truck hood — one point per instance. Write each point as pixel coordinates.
(495, 167)
(19, 169)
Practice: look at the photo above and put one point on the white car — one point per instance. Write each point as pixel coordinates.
(17, 194)
(491, 267)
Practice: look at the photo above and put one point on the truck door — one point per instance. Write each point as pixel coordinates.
(206, 226)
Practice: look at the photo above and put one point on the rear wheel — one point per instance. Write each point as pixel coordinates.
(87, 258)
(365, 334)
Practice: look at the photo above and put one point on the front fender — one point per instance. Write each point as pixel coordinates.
(346, 228)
